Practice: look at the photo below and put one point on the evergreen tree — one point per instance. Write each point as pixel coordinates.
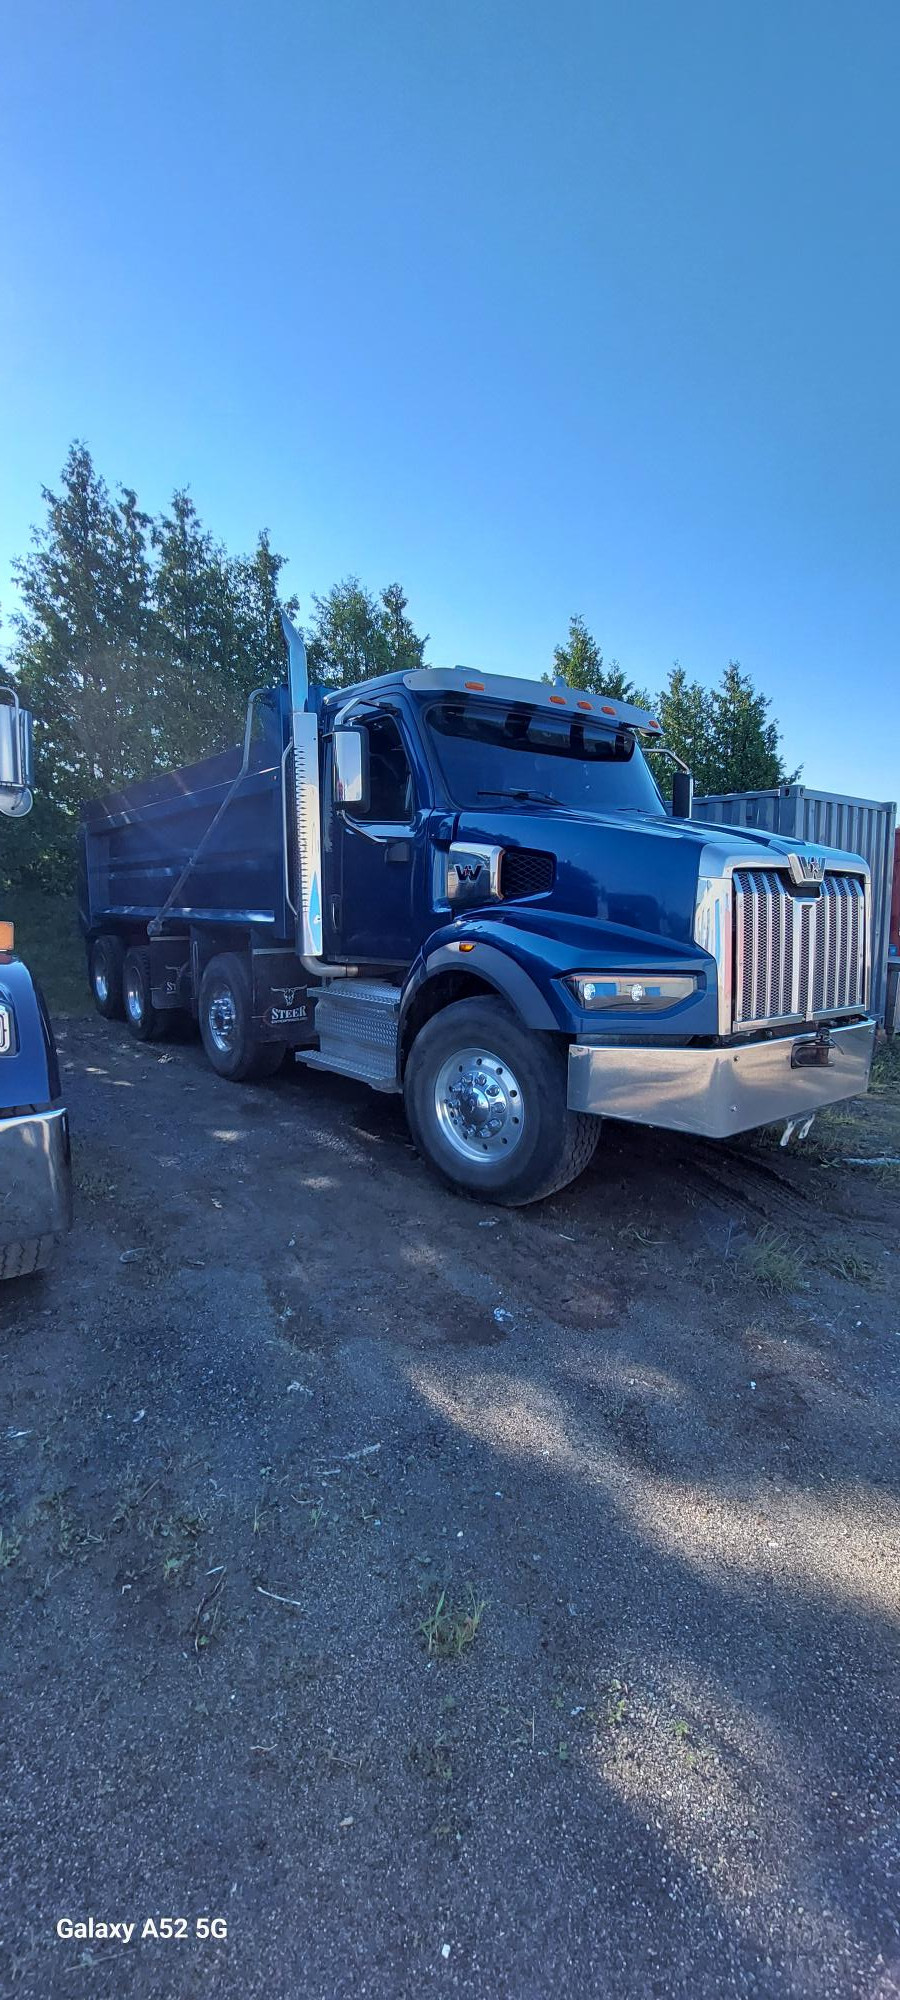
(580, 664)
(203, 671)
(136, 647)
(685, 710)
(355, 635)
(397, 643)
(724, 734)
(260, 605)
(745, 740)
(85, 635)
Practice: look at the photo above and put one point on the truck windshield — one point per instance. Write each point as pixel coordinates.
(510, 751)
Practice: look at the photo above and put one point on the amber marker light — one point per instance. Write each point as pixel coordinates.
(7, 936)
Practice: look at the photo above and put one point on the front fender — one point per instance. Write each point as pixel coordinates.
(453, 949)
(527, 962)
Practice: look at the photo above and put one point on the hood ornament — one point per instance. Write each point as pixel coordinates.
(807, 870)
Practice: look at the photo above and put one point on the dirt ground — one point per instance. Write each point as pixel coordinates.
(448, 1599)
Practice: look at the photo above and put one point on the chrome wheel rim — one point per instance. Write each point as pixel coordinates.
(101, 982)
(479, 1105)
(221, 1015)
(134, 999)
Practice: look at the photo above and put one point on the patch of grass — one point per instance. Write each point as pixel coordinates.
(432, 1760)
(616, 1704)
(885, 1078)
(71, 1538)
(845, 1262)
(174, 1567)
(773, 1262)
(10, 1549)
(451, 1628)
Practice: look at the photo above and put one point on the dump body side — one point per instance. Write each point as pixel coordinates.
(138, 846)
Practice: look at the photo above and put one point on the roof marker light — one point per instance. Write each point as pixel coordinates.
(607, 708)
(582, 704)
(477, 685)
(560, 699)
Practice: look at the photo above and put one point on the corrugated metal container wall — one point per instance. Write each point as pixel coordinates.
(857, 826)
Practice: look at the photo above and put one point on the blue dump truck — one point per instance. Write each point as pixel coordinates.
(35, 1169)
(468, 889)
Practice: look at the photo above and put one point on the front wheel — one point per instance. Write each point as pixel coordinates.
(486, 1104)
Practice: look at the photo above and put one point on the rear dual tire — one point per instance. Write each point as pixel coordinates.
(144, 1021)
(486, 1104)
(226, 1023)
(106, 961)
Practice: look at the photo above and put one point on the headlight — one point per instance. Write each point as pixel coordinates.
(6, 1028)
(632, 992)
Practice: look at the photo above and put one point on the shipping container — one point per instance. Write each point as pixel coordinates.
(858, 826)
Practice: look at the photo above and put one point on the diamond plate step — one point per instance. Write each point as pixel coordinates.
(356, 1022)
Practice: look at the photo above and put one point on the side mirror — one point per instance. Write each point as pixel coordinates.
(682, 795)
(351, 768)
(16, 756)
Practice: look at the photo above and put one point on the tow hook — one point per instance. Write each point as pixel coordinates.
(814, 1052)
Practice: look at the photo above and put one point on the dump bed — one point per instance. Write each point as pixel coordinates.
(210, 836)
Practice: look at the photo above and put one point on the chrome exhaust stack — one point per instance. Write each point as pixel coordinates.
(307, 811)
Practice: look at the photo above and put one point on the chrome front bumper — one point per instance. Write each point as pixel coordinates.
(35, 1176)
(716, 1092)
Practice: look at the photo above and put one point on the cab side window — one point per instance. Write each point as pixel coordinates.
(391, 794)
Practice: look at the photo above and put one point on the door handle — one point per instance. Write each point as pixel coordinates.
(397, 851)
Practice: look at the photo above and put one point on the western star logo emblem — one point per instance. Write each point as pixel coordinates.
(468, 871)
(807, 870)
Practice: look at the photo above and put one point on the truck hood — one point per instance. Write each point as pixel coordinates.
(628, 869)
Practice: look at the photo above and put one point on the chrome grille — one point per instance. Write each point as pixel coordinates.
(797, 954)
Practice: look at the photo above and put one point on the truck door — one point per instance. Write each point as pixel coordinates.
(376, 862)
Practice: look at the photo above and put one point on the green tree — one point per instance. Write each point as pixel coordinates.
(685, 710)
(203, 672)
(580, 664)
(259, 606)
(136, 646)
(355, 635)
(725, 734)
(82, 653)
(397, 643)
(745, 739)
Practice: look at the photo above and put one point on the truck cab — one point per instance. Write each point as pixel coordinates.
(468, 888)
(35, 1169)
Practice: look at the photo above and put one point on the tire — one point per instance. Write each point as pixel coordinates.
(226, 1022)
(23, 1260)
(486, 1104)
(142, 1019)
(106, 961)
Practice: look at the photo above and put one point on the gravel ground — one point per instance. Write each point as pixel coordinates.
(447, 1599)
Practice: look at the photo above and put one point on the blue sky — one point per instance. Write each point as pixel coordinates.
(541, 309)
